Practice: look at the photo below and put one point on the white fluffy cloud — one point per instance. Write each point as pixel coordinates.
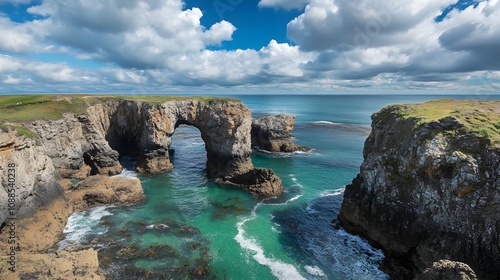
(159, 45)
(133, 34)
(365, 38)
(15, 37)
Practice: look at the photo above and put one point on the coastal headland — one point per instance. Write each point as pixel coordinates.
(428, 191)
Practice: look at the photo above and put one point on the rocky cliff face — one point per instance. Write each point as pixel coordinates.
(429, 190)
(272, 133)
(27, 176)
(80, 145)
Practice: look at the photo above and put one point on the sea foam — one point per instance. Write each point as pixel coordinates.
(81, 224)
(280, 270)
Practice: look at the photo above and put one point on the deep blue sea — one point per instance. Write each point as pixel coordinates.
(192, 228)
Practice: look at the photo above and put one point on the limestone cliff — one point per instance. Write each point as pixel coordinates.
(89, 140)
(272, 133)
(429, 187)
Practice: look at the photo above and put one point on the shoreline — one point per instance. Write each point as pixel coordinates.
(37, 235)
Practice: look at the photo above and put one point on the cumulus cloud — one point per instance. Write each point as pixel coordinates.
(345, 24)
(366, 38)
(132, 34)
(15, 37)
(284, 4)
(474, 31)
(339, 45)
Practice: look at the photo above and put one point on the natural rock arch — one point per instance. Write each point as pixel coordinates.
(146, 130)
(83, 145)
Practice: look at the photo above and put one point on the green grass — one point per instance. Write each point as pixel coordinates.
(22, 108)
(480, 117)
(20, 130)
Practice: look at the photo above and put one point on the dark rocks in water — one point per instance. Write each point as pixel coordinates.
(258, 181)
(429, 190)
(230, 210)
(272, 133)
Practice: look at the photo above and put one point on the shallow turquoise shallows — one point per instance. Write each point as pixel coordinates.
(192, 228)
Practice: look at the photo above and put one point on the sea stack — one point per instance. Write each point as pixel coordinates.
(428, 192)
(272, 134)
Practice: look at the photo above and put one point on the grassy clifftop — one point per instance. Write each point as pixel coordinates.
(480, 117)
(19, 108)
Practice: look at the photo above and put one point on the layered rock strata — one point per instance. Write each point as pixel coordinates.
(429, 188)
(272, 133)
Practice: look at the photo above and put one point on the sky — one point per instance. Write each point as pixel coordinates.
(249, 46)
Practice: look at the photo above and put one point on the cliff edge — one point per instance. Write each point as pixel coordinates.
(428, 190)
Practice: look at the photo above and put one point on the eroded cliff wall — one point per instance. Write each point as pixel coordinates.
(28, 177)
(429, 186)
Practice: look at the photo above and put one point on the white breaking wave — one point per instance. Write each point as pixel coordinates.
(295, 181)
(80, 224)
(315, 271)
(326, 123)
(127, 173)
(280, 270)
(333, 193)
(157, 226)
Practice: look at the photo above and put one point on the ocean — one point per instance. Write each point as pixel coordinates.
(191, 228)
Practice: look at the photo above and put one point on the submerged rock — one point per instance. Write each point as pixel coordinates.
(272, 133)
(429, 188)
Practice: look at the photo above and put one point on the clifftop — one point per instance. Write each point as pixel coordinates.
(36, 107)
(428, 190)
(481, 118)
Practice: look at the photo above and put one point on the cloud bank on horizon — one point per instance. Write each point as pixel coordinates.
(334, 46)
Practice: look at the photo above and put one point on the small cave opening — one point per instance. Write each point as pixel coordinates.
(88, 158)
(125, 141)
(187, 151)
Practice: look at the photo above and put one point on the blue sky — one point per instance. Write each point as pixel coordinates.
(250, 46)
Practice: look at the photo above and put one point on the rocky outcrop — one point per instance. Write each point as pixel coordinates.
(103, 190)
(446, 270)
(258, 181)
(272, 133)
(430, 189)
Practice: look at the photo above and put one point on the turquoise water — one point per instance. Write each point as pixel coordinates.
(190, 227)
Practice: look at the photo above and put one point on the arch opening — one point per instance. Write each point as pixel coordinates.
(187, 151)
